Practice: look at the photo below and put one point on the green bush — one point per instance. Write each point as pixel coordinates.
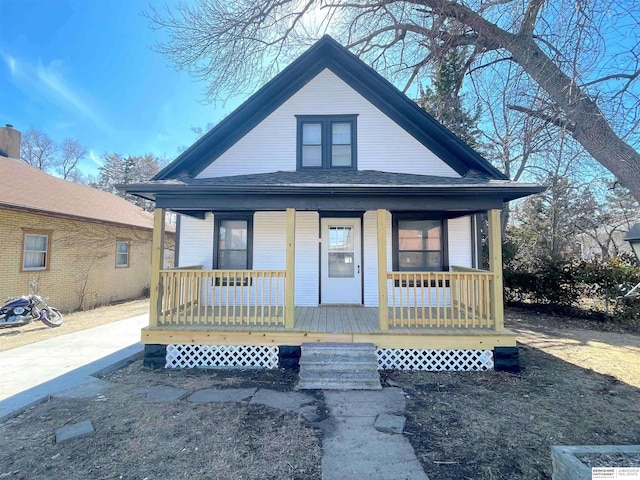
(564, 283)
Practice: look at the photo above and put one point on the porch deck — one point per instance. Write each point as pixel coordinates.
(342, 324)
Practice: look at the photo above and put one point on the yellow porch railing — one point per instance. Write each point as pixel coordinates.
(459, 299)
(192, 296)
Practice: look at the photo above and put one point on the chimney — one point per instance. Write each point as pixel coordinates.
(9, 142)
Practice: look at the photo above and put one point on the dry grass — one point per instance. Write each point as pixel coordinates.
(135, 439)
(605, 352)
(578, 387)
(73, 322)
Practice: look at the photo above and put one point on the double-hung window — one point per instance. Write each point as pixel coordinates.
(419, 244)
(122, 253)
(36, 250)
(233, 246)
(233, 242)
(327, 142)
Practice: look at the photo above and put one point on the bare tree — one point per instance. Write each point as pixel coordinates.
(582, 54)
(71, 152)
(38, 149)
(605, 219)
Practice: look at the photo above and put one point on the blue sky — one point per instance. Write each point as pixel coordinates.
(85, 69)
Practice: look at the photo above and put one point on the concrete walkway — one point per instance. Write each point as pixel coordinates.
(355, 448)
(34, 372)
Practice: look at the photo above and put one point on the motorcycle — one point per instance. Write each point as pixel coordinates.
(24, 310)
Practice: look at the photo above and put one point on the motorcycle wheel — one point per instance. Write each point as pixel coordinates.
(53, 318)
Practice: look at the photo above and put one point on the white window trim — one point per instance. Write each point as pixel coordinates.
(121, 265)
(47, 252)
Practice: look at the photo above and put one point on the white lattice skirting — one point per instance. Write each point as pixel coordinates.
(434, 360)
(221, 356)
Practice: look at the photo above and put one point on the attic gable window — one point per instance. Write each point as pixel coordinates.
(326, 142)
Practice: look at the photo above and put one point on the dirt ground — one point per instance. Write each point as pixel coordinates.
(73, 322)
(578, 386)
(135, 439)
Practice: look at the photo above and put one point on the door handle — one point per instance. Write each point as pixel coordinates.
(358, 269)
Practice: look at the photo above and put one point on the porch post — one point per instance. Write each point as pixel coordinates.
(157, 257)
(495, 266)
(289, 295)
(383, 300)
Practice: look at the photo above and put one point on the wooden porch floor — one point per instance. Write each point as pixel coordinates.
(329, 324)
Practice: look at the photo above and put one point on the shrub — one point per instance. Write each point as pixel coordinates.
(564, 283)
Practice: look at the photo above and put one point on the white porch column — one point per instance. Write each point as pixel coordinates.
(383, 300)
(495, 266)
(289, 296)
(157, 257)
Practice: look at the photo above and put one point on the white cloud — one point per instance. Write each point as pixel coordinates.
(11, 63)
(95, 158)
(49, 80)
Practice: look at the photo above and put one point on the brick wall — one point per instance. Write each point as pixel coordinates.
(81, 264)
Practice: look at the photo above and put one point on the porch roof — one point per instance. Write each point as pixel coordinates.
(333, 189)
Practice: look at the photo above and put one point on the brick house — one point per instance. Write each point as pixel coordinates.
(78, 246)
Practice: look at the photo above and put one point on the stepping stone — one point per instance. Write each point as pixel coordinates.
(309, 413)
(393, 424)
(353, 403)
(212, 395)
(162, 393)
(91, 388)
(289, 401)
(72, 432)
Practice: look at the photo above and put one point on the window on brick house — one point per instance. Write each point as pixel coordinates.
(122, 253)
(36, 250)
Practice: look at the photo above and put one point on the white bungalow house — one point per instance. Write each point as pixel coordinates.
(328, 207)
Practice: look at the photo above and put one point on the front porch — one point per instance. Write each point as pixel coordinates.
(338, 324)
(457, 309)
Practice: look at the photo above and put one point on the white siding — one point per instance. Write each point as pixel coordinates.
(307, 259)
(460, 242)
(382, 144)
(269, 241)
(196, 241)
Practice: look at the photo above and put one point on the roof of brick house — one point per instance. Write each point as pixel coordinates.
(24, 187)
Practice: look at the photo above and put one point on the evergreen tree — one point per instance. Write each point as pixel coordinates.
(120, 170)
(443, 99)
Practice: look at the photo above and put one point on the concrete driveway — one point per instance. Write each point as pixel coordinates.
(33, 372)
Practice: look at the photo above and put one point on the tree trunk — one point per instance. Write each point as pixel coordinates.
(589, 127)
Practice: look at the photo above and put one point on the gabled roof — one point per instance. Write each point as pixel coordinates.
(327, 53)
(25, 187)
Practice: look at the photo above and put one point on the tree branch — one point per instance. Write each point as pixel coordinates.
(550, 119)
(530, 18)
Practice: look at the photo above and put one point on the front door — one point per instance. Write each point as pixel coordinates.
(340, 261)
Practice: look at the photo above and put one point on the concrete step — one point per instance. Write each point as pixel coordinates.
(320, 360)
(339, 369)
(336, 385)
(338, 366)
(347, 376)
(333, 346)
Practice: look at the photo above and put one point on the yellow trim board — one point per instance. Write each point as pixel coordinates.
(444, 341)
